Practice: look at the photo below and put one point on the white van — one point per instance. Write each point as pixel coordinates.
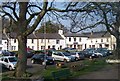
(9, 62)
(62, 56)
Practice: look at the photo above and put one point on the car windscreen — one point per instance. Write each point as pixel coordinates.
(66, 54)
(12, 59)
(102, 49)
(80, 53)
(38, 55)
(73, 53)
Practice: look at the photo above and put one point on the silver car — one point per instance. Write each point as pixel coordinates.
(9, 62)
(63, 56)
(77, 55)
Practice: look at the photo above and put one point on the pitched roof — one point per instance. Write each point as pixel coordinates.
(89, 34)
(47, 36)
(58, 36)
(97, 34)
(74, 35)
(37, 35)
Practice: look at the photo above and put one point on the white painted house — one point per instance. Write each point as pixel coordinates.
(78, 41)
(37, 41)
(90, 40)
(100, 39)
(40, 41)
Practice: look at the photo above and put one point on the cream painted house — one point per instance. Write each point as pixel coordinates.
(78, 41)
(37, 41)
(90, 40)
(101, 39)
(59, 40)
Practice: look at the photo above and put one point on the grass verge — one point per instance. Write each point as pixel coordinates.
(88, 66)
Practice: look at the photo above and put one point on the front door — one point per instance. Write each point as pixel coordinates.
(74, 46)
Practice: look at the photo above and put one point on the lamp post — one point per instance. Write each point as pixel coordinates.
(45, 46)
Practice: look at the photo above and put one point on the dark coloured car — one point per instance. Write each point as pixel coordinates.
(30, 54)
(69, 49)
(7, 53)
(81, 55)
(41, 58)
(103, 51)
(89, 52)
(12, 53)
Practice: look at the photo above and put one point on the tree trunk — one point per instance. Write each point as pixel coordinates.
(22, 56)
(118, 47)
(118, 53)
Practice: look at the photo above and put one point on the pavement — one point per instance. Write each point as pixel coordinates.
(109, 72)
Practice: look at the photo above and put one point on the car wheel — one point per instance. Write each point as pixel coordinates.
(65, 60)
(32, 61)
(10, 68)
(43, 63)
(76, 59)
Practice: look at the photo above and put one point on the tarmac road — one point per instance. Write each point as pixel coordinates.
(109, 72)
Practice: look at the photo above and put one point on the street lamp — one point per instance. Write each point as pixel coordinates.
(45, 46)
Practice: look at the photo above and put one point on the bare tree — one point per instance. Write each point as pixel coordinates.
(99, 13)
(26, 16)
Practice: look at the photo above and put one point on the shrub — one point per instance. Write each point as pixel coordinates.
(76, 67)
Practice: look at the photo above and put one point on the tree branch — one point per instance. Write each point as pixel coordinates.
(39, 18)
(13, 9)
(34, 6)
(15, 14)
(66, 10)
(108, 26)
(10, 16)
(31, 17)
(92, 26)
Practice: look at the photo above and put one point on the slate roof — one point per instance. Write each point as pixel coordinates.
(47, 36)
(97, 34)
(89, 34)
(74, 35)
(58, 36)
(38, 35)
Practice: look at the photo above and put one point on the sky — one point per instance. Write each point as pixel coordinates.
(66, 23)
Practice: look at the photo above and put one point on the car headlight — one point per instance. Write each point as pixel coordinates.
(110, 51)
(46, 60)
(67, 58)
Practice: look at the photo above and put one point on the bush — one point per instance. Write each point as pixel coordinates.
(76, 67)
(27, 74)
(61, 65)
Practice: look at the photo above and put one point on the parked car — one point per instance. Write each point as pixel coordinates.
(110, 52)
(89, 52)
(62, 56)
(78, 55)
(69, 49)
(9, 62)
(12, 53)
(29, 54)
(7, 53)
(41, 58)
(102, 52)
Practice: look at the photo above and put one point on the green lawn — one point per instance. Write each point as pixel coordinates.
(88, 66)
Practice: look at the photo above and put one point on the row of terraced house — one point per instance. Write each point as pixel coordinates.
(80, 41)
